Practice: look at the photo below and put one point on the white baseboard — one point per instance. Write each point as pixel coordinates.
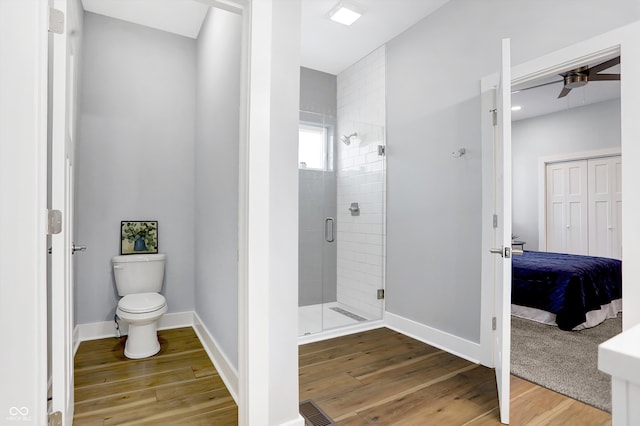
(100, 330)
(225, 368)
(342, 331)
(75, 339)
(437, 338)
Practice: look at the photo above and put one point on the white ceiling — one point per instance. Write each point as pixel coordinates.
(331, 47)
(175, 16)
(325, 45)
(544, 100)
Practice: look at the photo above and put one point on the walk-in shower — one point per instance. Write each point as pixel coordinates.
(341, 222)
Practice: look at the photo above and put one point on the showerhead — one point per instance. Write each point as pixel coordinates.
(347, 139)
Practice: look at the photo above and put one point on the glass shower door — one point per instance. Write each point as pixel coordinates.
(317, 227)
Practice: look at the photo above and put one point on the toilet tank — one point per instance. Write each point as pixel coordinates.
(138, 273)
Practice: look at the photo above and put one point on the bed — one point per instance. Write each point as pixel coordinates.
(571, 291)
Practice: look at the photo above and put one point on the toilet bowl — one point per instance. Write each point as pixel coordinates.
(142, 312)
(139, 280)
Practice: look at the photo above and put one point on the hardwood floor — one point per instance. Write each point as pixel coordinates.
(378, 377)
(381, 377)
(179, 385)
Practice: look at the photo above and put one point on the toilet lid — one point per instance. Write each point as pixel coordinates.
(142, 302)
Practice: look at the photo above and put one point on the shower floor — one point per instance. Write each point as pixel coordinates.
(317, 318)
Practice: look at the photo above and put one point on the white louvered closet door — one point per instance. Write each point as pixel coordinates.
(605, 206)
(567, 224)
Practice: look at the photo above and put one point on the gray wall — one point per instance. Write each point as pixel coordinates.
(587, 128)
(318, 91)
(433, 108)
(317, 197)
(135, 154)
(216, 177)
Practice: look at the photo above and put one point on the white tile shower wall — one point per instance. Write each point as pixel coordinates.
(361, 179)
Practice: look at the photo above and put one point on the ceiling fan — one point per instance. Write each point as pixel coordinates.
(578, 77)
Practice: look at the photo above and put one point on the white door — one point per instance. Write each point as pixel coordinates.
(605, 207)
(502, 236)
(62, 149)
(567, 225)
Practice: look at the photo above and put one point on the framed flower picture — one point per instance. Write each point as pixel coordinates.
(138, 236)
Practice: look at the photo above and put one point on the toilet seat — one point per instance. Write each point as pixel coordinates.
(142, 303)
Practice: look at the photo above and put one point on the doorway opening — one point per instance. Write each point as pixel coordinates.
(563, 139)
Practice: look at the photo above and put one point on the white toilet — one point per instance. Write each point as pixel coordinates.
(139, 280)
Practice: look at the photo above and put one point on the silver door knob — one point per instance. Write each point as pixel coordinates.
(75, 248)
(497, 251)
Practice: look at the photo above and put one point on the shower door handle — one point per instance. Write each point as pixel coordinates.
(329, 229)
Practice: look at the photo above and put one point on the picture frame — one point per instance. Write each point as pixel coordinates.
(138, 237)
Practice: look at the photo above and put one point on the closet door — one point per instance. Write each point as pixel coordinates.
(605, 206)
(567, 207)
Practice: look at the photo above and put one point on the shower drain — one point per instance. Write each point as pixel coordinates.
(313, 415)
(348, 314)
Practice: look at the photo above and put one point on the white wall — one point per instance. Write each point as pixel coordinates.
(433, 108)
(135, 156)
(587, 128)
(360, 178)
(216, 178)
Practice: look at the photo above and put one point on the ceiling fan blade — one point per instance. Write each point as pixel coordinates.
(536, 86)
(565, 91)
(604, 77)
(603, 66)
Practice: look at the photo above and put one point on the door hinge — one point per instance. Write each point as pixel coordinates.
(382, 150)
(494, 116)
(54, 222)
(495, 221)
(55, 419)
(56, 21)
(380, 293)
(494, 323)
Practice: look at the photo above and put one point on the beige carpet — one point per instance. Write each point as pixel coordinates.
(564, 361)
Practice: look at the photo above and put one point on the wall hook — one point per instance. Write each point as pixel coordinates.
(459, 153)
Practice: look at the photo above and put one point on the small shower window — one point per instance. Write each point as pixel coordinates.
(312, 147)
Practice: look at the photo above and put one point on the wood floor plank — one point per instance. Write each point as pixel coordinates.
(99, 408)
(409, 383)
(309, 374)
(98, 390)
(391, 357)
(338, 383)
(347, 340)
(191, 387)
(138, 368)
(170, 411)
(454, 401)
(418, 370)
(350, 347)
(222, 417)
(390, 383)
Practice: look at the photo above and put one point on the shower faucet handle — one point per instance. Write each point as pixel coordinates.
(354, 209)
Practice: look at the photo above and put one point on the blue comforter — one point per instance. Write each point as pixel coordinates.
(564, 284)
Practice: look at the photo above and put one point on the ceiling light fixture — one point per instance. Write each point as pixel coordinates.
(516, 108)
(345, 13)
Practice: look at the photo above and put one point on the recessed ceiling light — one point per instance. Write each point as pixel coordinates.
(345, 13)
(516, 108)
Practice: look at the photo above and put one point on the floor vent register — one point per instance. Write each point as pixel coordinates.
(313, 415)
